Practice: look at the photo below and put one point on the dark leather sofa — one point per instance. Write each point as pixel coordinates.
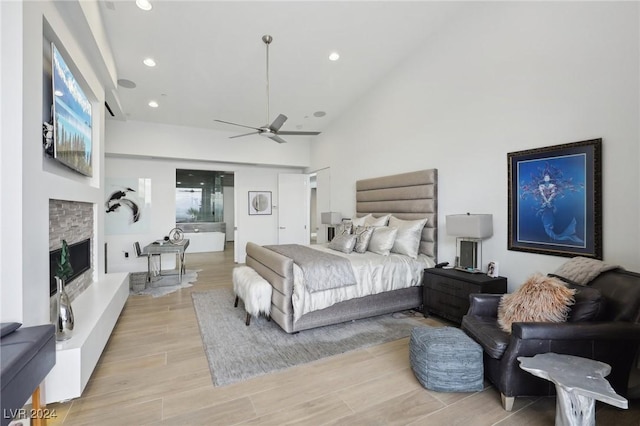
(603, 325)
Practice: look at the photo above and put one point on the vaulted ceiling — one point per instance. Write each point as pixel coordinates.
(210, 59)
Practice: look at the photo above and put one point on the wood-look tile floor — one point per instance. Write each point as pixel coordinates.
(154, 371)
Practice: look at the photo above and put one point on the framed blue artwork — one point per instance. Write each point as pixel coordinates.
(555, 200)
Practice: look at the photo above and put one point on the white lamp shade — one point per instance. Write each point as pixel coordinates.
(330, 218)
(470, 225)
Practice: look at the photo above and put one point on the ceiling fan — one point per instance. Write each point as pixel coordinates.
(271, 131)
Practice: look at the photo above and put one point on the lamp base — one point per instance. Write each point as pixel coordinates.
(469, 270)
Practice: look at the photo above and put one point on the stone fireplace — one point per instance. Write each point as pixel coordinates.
(72, 221)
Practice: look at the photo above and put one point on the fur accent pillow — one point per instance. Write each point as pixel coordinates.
(539, 299)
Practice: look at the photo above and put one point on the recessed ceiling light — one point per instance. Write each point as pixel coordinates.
(153, 104)
(334, 56)
(149, 62)
(144, 5)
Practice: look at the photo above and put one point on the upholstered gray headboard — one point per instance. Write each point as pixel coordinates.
(407, 196)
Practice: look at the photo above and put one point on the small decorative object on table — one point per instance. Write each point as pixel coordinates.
(176, 235)
(492, 269)
(64, 314)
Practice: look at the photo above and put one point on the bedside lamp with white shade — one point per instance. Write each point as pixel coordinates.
(330, 219)
(469, 230)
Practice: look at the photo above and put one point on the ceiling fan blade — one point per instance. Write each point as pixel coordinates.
(277, 139)
(284, 132)
(236, 124)
(278, 122)
(244, 134)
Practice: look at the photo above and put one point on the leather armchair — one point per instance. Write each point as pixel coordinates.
(612, 336)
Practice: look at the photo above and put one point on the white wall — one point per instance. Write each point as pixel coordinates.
(156, 150)
(228, 211)
(29, 179)
(177, 142)
(503, 77)
(11, 83)
(162, 172)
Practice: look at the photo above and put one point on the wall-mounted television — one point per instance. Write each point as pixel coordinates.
(71, 118)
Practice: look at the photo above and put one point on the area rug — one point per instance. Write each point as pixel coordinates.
(160, 285)
(237, 352)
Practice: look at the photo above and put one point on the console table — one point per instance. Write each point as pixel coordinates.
(579, 383)
(160, 247)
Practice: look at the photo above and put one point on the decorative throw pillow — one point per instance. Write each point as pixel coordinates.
(409, 235)
(539, 299)
(363, 237)
(360, 221)
(344, 228)
(379, 221)
(343, 243)
(382, 240)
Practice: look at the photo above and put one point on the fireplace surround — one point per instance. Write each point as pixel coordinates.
(80, 254)
(72, 221)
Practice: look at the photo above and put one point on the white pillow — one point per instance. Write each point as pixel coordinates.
(382, 240)
(360, 221)
(372, 221)
(409, 234)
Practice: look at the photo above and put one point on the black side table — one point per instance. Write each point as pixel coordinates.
(446, 291)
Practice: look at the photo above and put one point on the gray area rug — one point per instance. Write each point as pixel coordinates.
(160, 285)
(237, 352)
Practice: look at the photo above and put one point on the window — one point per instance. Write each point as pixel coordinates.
(199, 196)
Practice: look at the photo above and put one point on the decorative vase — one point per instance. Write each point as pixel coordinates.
(65, 320)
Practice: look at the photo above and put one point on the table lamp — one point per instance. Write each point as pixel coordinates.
(330, 219)
(469, 230)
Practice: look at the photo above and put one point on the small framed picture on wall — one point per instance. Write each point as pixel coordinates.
(259, 202)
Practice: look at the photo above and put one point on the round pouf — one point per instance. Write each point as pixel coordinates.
(445, 359)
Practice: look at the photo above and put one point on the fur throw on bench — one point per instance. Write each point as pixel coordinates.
(254, 290)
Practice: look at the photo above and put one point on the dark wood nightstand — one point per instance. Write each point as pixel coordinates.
(446, 291)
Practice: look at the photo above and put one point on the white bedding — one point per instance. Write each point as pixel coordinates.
(374, 274)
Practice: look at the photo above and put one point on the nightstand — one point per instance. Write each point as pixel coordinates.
(446, 291)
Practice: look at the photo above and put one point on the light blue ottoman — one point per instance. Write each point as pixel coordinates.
(445, 359)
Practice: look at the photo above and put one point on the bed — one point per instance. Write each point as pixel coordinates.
(407, 196)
